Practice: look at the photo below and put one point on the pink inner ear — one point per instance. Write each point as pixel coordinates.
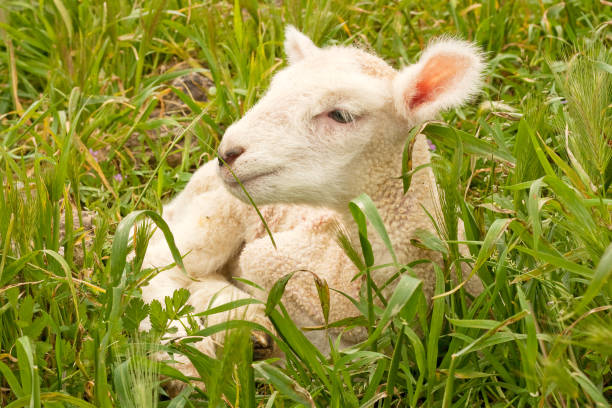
(436, 77)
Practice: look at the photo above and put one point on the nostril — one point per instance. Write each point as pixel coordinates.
(230, 156)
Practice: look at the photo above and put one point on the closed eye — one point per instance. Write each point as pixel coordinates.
(341, 116)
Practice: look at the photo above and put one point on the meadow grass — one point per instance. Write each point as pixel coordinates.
(89, 136)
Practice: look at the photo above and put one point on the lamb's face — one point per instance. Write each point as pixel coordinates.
(304, 141)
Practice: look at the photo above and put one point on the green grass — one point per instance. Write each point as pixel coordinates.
(85, 126)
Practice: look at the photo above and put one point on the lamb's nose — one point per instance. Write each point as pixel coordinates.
(230, 156)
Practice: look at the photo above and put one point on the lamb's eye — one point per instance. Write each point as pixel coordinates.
(341, 116)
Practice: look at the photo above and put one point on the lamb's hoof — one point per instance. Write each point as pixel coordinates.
(263, 345)
(173, 387)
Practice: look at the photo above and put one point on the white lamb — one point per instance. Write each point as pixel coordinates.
(332, 125)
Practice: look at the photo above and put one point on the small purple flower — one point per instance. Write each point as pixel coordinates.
(97, 154)
(118, 177)
(432, 146)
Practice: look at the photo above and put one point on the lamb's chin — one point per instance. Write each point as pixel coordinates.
(253, 187)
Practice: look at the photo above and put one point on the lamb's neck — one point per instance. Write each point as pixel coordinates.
(401, 213)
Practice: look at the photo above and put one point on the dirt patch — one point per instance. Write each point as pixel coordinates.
(196, 86)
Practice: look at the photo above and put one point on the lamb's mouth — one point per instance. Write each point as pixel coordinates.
(233, 181)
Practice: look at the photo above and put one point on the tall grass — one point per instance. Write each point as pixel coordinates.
(85, 125)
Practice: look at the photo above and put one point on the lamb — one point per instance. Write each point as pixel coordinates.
(332, 125)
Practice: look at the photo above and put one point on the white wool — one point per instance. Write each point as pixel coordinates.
(294, 153)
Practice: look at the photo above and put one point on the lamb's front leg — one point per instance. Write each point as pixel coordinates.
(208, 225)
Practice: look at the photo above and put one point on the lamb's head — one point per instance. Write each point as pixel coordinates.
(315, 134)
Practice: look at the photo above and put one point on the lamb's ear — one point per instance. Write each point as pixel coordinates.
(447, 75)
(297, 45)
